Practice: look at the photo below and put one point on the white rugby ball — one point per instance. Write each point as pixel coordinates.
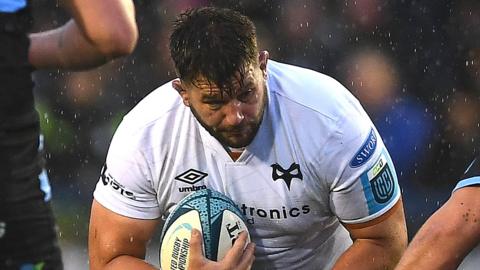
(216, 216)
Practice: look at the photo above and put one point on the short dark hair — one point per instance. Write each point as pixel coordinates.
(212, 42)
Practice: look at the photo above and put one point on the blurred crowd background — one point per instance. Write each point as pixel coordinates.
(413, 64)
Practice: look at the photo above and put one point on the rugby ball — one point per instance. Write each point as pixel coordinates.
(216, 216)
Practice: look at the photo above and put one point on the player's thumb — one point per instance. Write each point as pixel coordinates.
(196, 253)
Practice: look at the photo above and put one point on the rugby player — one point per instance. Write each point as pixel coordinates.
(98, 32)
(292, 147)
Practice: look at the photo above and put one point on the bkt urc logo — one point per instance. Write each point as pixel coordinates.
(383, 185)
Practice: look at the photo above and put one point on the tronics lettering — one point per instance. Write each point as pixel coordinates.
(275, 213)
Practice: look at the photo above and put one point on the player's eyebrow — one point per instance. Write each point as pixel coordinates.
(209, 97)
(210, 91)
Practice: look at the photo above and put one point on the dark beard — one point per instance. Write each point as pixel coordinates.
(220, 138)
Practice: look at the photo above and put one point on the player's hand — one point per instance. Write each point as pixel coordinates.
(237, 258)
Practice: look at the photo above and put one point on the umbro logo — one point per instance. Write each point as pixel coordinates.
(286, 174)
(191, 176)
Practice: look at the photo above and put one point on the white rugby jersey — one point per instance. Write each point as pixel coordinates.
(316, 160)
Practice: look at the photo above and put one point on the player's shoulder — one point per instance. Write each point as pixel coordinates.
(153, 113)
(311, 89)
(282, 74)
(318, 99)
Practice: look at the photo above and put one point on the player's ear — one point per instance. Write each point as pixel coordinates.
(177, 85)
(262, 60)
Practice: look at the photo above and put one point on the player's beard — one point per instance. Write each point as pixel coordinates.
(240, 135)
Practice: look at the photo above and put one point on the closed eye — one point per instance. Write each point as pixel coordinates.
(215, 105)
(246, 95)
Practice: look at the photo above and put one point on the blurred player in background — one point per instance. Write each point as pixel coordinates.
(452, 232)
(292, 147)
(98, 32)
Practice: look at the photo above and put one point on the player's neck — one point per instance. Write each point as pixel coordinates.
(235, 153)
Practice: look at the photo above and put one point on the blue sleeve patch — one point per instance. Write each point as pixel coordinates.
(467, 182)
(366, 150)
(11, 6)
(380, 184)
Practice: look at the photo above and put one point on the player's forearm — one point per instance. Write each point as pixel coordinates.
(447, 236)
(430, 256)
(67, 47)
(370, 254)
(437, 245)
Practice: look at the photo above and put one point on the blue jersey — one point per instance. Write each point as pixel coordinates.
(10, 6)
(471, 175)
(27, 230)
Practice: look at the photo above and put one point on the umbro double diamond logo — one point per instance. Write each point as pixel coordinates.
(191, 176)
(286, 174)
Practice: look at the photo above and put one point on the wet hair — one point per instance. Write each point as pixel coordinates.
(214, 43)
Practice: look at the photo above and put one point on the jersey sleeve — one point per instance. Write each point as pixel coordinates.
(471, 176)
(365, 183)
(125, 185)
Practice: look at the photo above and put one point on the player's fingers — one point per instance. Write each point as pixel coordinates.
(248, 257)
(236, 251)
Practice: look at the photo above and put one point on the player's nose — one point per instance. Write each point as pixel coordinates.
(233, 113)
